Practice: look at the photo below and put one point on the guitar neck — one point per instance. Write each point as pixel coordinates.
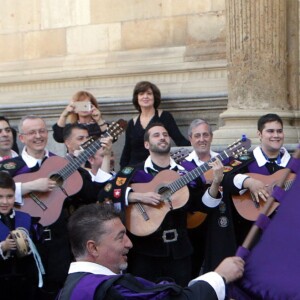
(75, 163)
(190, 176)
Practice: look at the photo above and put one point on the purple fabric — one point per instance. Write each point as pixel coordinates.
(254, 168)
(141, 176)
(272, 268)
(278, 193)
(294, 164)
(21, 220)
(189, 166)
(242, 252)
(86, 288)
(262, 221)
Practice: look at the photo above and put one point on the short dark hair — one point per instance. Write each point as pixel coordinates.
(6, 181)
(151, 125)
(266, 119)
(2, 118)
(87, 223)
(67, 131)
(143, 86)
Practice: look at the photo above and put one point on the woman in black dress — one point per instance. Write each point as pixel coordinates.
(146, 99)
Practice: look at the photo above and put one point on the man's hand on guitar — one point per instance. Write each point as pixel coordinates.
(38, 185)
(217, 168)
(150, 198)
(257, 188)
(106, 145)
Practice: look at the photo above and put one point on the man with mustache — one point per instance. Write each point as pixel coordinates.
(167, 251)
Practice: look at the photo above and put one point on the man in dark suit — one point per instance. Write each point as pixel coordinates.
(167, 251)
(101, 247)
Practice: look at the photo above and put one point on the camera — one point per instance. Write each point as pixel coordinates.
(83, 106)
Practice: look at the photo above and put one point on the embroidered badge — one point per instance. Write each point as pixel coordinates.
(223, 222)
(117, 193)
(244, 157)
(117, 206)
(120, 181)
(10, 166)
(227, 169)
(222, 207)
(235, 163)
(127, 170)
(108, 187)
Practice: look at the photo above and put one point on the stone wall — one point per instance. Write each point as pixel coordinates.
(54, 48)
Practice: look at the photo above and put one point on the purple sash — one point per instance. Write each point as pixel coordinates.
(273, 266)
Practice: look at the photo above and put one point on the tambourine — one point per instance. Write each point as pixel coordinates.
(20, 235)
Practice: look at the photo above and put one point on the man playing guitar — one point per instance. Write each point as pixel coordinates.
(268, 158)
(55, 251)
(165, 252)
(201, 136)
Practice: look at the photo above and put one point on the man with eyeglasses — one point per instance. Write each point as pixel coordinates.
(55, 251)
(6, 140)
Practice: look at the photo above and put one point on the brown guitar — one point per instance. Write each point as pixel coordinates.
(246, 204)
(48, 205)
(142, 220)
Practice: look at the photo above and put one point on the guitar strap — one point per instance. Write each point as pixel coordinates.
(239, 163)
(114, 191)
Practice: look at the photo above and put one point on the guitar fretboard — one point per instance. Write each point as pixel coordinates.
(190, 176)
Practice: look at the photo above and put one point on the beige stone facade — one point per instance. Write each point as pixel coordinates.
(51, 48)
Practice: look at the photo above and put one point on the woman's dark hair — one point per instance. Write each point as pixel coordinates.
(143, 86)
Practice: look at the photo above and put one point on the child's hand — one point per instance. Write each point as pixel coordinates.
(8, 244)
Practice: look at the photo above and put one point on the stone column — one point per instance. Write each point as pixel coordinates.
(259, 67)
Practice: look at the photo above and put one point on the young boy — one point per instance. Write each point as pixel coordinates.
(18, 275)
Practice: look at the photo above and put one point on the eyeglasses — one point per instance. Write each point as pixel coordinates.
(42, 131)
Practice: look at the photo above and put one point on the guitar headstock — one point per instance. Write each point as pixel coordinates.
(239, 147)
(116, 128)
(180, 154)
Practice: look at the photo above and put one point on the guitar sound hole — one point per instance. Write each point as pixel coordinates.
(165, 192)
(58, 179)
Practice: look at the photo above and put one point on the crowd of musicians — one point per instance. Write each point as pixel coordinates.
(177, 213)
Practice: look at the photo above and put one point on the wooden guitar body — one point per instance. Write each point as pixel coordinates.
(48, 205)
(244, 203)
(135, 221)
(53, 201)
(144, 219)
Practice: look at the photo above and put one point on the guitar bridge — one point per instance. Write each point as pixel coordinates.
(36, 199)
(170, 204)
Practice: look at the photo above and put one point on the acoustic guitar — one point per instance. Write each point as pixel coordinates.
(195, 218)
(142, 220)
(246, 204)
(48, 205)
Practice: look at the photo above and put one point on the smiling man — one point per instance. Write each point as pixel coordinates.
(165, 251)
(54, 251)
(268, 158)
(100, 245)
(201, 136)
